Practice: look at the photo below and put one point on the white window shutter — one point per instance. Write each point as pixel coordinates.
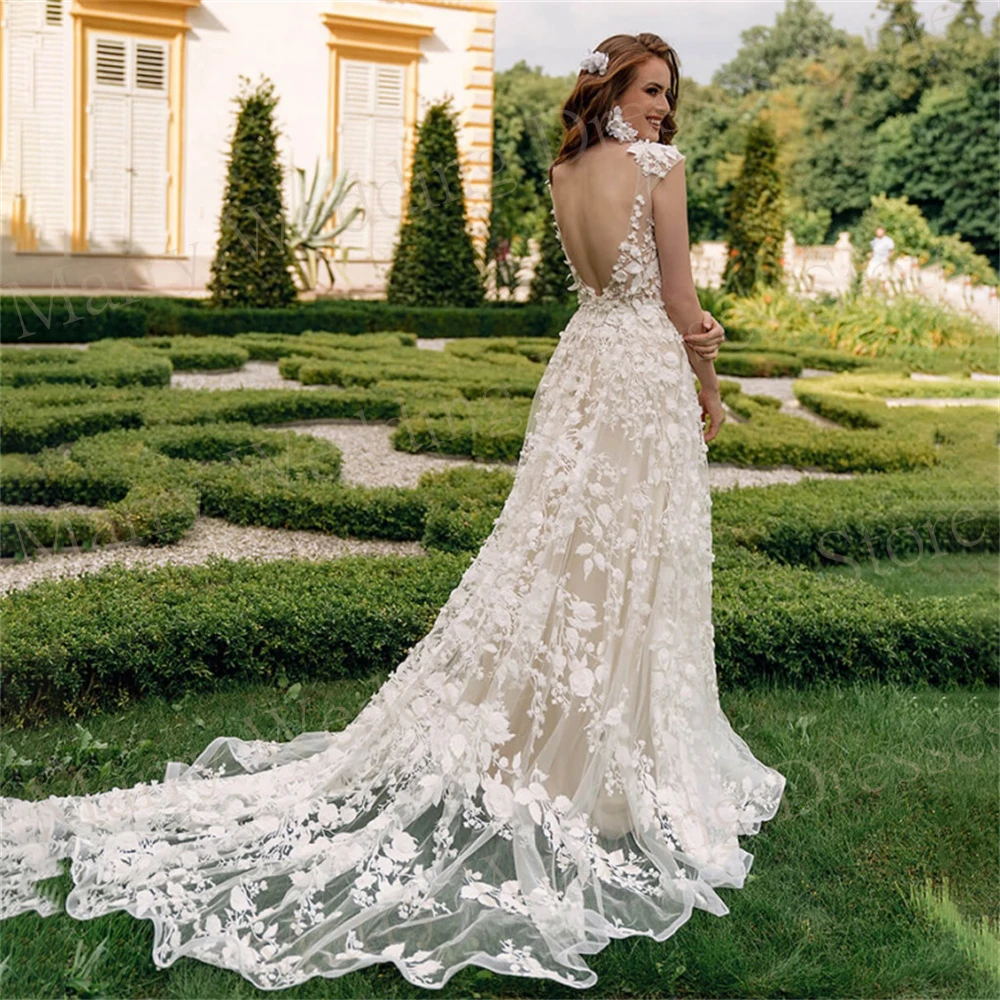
(370, 148)
(354, 151)
(50, 148)
(54, 12)
(387, 154)
(108, 153)
(129, 115)
(150, 114)
(21, 36)
(36, 150)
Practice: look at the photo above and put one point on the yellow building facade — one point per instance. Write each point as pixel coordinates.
(116, 116)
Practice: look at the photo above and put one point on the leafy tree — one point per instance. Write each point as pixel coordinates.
(712, 138)
(552, 276)
(252, 260)
(435, 262)
(902, 23)
(526, 133)
(944, 159)
(755, 216)
(809, 227)
(966, 23)
(801, 31)
(912, 235)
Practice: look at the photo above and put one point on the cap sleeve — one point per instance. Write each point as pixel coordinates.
(655, 158)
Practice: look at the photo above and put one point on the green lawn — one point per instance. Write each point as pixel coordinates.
(890, 790)
(879, 876)
(941, 574)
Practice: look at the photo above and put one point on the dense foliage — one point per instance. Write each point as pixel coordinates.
(754, 217)
(914, 112)
(552, 278)
(251, 265)
(435, 262)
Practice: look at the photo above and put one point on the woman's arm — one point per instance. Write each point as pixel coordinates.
(670, 227)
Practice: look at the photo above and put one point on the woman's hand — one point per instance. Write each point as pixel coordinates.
(711, 408)
(705, 341)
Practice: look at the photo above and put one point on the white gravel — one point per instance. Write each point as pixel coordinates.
(368, 458)
(781, 388)
(208, 536)
(723, 476)
(253, 375)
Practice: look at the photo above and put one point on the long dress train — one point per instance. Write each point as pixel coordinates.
(547, 769)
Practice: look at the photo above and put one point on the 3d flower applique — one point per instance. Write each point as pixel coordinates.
(618, 127)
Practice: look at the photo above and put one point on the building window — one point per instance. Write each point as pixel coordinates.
(370, 148)
(36, 127)
(128, 118)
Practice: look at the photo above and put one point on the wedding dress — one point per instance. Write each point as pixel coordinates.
(547, 769)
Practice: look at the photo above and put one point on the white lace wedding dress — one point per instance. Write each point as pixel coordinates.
(547, 769)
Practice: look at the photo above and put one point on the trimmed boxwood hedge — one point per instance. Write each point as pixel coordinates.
(79, 319)
(100, 641)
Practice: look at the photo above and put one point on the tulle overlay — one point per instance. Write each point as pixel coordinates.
(547, 769)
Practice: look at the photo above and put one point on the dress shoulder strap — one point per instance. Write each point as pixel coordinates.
(655, 158)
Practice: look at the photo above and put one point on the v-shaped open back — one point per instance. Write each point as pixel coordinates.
(605, 210)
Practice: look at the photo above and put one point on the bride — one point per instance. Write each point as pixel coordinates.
(549, 767)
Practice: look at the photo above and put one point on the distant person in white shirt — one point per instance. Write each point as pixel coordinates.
(878, 262)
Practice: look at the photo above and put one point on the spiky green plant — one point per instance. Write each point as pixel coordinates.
(310, 237)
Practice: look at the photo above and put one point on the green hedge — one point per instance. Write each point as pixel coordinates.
(78, 319)
(67, 321)
(771, 438)
(126, 366)
(99, 641)
(148, 514)
(151, 484)
(791, 626)
(73, 647)
(898, 516)
(36, 418)
(756, 364)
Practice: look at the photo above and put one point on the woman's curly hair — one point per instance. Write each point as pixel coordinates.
(593, 97)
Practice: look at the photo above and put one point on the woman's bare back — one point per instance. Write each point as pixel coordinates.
(593, 196)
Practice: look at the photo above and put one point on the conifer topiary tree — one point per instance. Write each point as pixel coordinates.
(552, 276)
(435, 262)
(755, 216)
(252, 259)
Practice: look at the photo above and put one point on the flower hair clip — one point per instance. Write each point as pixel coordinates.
(595, 62)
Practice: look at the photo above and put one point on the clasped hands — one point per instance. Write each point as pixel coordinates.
(705, 341)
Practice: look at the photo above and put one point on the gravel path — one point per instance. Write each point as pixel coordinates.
(214, 536)
(208, 536)
(781, 388)
(368, 458)
(253, 375)
(930, 401)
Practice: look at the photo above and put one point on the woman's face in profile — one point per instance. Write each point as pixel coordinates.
(646, 103)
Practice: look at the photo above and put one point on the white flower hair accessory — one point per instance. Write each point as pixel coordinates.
(595, 62)
(619, 128)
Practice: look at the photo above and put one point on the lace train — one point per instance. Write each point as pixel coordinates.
(547, 769)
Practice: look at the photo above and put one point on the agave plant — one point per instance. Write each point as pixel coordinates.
(310, 237)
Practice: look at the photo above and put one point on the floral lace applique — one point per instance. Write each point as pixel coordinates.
(549, 766)
(635, 276)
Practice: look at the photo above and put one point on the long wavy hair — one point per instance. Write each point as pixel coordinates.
(587, 108)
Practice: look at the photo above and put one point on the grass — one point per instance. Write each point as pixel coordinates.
(941, 574)
(877, 878)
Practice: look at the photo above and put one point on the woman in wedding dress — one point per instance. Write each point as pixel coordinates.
(549, 767)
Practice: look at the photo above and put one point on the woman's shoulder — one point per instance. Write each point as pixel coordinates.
(655, 157)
